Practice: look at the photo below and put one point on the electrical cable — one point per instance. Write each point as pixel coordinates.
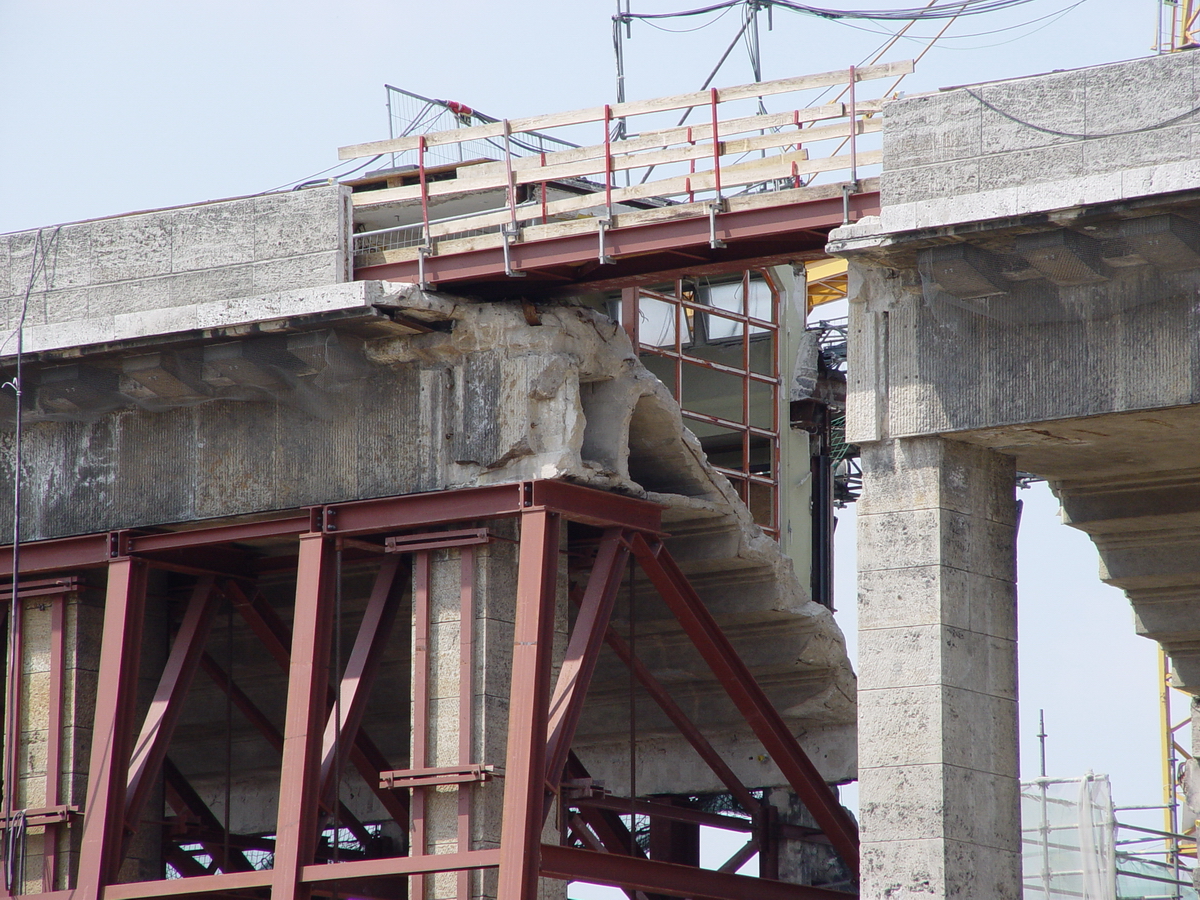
(711, 21)
(1166, 123)
(1019, 37)
(307, 179)
(947, 10)
(14, 837)
(973, 34)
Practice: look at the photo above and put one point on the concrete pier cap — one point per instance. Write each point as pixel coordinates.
(1026, 301)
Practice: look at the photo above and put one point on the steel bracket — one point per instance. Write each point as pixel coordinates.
(717, 206)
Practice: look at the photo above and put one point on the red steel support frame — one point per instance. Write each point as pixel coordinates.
(524, 783)
(120, 647)
(583, 650)
(539, 735)
(300, 789)
(151, 747)
(746, 694)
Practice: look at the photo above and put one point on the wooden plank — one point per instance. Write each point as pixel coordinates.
(525, 213)
(498, 178)
(743, 173)
(626, 110)
(650, 140)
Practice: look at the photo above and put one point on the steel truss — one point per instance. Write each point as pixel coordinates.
(322, 728)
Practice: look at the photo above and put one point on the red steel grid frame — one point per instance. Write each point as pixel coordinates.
(538, 767)
(685, 311)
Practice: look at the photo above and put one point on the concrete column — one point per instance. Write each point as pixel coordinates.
(81, 623)
(495, 609)
(937, 700)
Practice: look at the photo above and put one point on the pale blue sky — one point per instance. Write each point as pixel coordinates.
(112, 107)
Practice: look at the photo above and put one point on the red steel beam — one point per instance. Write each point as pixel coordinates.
(373, 633)
(178, 784)
(277, 638)
(402, 865)
(466, 702)
(83, 552)
(595, 507)
(525, 760)
(150, 749)
(420, 711)
(583, 650)
(680, 720)
(421, 510)
(58, 658)
(773, 223)
(116, 694)
(271, 734)
(660, 810)
(631, 873)
(299, 783)
(746, 694)
(355, 517)
(613, 834)
(183, 887)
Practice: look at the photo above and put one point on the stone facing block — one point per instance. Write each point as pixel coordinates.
(971, 154)
(937, 698)
(103, 269)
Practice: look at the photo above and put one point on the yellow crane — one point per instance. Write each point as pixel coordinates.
(1180, 32)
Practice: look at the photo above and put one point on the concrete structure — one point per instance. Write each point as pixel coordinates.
(213, 367)
(1024, 302)
(218, 417)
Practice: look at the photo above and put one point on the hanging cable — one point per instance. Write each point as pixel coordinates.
(714, 20)
(973, 34)
(14, 837)
(707, 81)
(946, 10)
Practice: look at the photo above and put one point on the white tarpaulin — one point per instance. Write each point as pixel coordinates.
(1067, 839)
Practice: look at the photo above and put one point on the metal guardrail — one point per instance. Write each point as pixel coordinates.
(696, 168)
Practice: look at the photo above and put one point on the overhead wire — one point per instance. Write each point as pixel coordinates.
(714, 20)
(971, 34)
(951, 9)
(307, 179)
(14, 836)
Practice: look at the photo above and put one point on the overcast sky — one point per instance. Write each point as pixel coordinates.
(112, 107)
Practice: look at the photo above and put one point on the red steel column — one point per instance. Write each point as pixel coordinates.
(308, 684)
(525, 767)
(116, 694)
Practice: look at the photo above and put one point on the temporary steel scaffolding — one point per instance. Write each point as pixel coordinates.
(700, 199)
(394, 538)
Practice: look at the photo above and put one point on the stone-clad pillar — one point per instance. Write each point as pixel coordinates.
(937, 698)
(494, 598)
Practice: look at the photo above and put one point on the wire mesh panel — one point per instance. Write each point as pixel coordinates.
(715, 344)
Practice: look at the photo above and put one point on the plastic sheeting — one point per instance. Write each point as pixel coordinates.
(1067, 839)
(1070, 836)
